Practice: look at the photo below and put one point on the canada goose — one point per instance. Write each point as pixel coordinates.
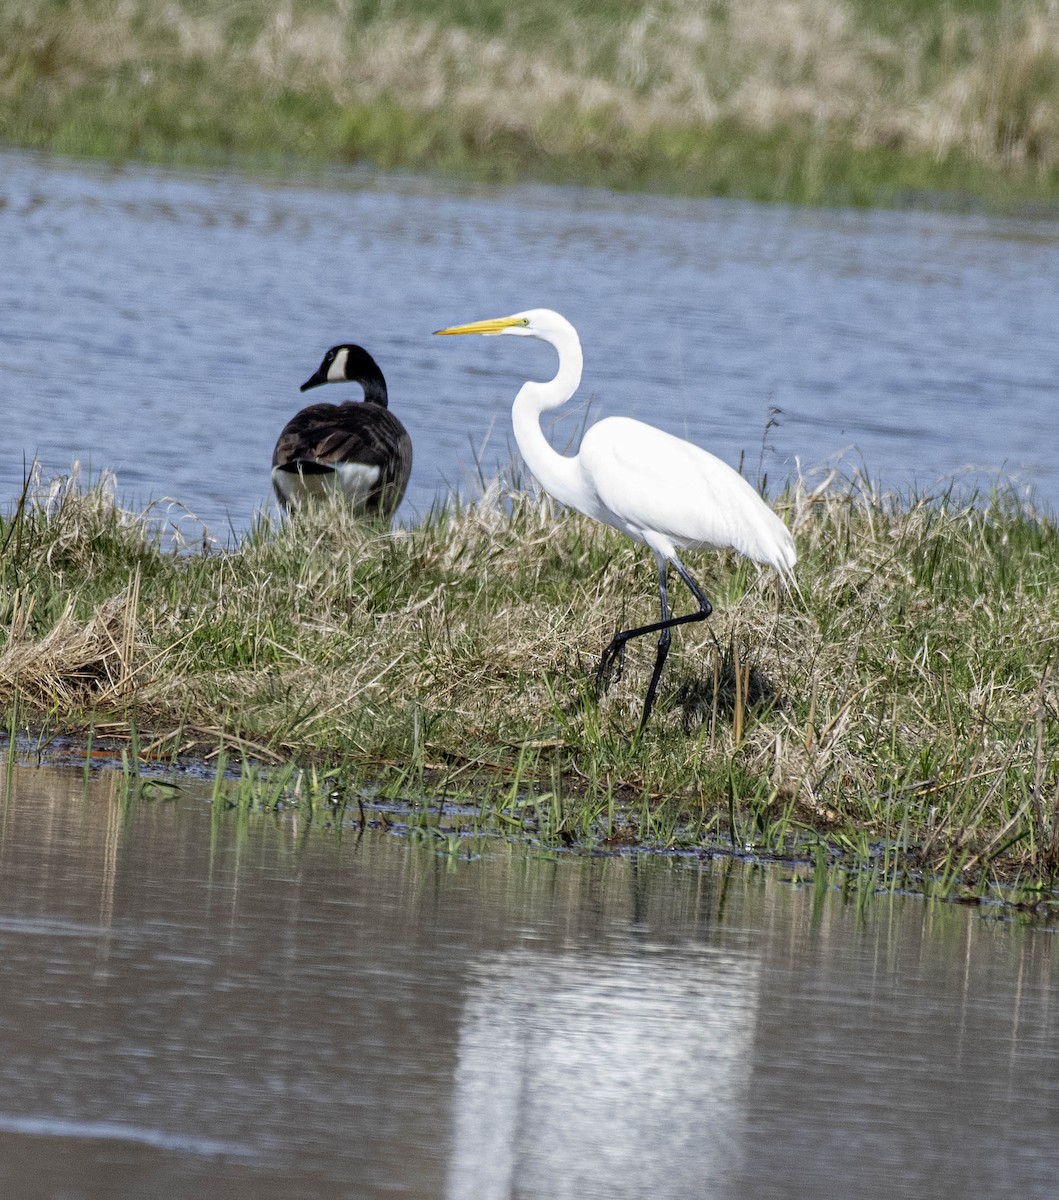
(359, 447)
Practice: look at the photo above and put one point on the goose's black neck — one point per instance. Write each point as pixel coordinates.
(363, 369)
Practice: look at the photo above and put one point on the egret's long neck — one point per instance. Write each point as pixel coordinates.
(556, 473)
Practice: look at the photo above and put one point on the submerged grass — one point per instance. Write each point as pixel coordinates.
(808, 100)
(900, 711)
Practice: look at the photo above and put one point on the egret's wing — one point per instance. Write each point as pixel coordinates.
(653, 482)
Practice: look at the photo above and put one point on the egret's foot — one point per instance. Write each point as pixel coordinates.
(610, 666)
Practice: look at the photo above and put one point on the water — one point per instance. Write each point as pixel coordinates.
(199, 1004)
(159, 324)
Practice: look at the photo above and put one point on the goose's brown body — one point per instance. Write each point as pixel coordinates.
(359, 448)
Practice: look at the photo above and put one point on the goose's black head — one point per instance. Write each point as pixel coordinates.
(352, 363)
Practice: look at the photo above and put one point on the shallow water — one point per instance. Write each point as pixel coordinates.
(159, 324)
(203, 1004)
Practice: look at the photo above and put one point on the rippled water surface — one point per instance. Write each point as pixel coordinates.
(160, 324)
(207, 1004)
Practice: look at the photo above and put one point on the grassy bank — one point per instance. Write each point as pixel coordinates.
(900, 715)
(809, 100)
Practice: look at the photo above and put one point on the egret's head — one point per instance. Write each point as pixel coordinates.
(549, 327)
(534, 322)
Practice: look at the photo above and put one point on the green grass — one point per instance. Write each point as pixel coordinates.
(900, 712)
(812, 101)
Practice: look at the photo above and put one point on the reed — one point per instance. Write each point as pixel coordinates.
(901, 710)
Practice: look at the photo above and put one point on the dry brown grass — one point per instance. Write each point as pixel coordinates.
(906, 692)
(76, 664)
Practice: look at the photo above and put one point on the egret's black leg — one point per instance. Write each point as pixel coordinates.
(614, 655)
(662, 627)
(664, 638)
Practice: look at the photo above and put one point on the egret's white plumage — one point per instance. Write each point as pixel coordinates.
(658, 489)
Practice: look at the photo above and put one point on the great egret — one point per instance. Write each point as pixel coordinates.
(657, 488)
(358, 448)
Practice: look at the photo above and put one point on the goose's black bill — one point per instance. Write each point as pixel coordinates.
(315, 380)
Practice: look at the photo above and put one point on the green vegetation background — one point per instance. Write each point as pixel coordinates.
(804, 100)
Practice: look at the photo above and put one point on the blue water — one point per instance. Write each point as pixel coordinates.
(159, 324)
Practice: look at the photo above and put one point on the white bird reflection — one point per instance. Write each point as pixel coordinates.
(583, 1075)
